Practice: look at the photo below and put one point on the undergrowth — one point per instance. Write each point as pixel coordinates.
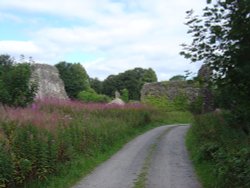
(221, 153)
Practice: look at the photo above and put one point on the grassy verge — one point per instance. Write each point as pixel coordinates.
(55, 143)
(204, 169)
(71, 173)
(220, 153)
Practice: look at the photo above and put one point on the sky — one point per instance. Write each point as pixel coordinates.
(105, 36)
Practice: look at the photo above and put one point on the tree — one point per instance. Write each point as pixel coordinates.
(178, 78)
(96, 84)
(221, 40)
(16, 89)
(132, 80)
(74, 77)
(110, 85)
(149, 76)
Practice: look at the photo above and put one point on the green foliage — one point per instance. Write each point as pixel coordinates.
(91, 96)
(221, 39)
(6, 166)
(149, 75)
(132, 80)
(16, 89)
(96, 84)
(125, 95)
(196, 106)
(219, 152)
(178, 78)
(179, 103)
(74, 77)
(159, 102)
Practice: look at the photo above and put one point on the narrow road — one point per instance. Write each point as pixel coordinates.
(156, 159)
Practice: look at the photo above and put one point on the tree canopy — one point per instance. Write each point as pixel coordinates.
(74, 76)
(131, 80)
(221, 40)
(178, 78)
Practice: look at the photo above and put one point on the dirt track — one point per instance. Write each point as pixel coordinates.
(156, 159)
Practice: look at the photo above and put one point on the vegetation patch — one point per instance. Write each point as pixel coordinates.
(179, 103)
(90, 95)
(16, 88)
(219, 151)
(52, 142)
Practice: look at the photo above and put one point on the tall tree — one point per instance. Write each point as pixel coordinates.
(221, 40)
(74, 76)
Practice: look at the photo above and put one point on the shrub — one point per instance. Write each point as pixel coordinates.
(179, 103)
(125, 95)
(91, 96)
(196, 106)
(225, 149)
(6, 166)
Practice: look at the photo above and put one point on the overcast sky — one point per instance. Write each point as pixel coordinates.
(105, 36)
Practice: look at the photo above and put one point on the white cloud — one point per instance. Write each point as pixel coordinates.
(19, 47)
(120, 34)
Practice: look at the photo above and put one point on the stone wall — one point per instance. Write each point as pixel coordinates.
(49, 82)
(170, 89)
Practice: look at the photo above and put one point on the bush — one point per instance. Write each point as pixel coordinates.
(212, 141)
(196, 106)
(91, 96)
(179, 103)
(6, 166)
(125, 95)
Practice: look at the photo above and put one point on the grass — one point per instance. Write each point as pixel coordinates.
(81, 166)
(204, 169)
(142, 177)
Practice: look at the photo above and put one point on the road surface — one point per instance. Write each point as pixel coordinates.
(156, 159)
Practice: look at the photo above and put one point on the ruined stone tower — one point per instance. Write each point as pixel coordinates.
(49, 83)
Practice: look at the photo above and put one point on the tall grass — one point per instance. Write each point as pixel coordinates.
(44, 138)
(220, 152)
